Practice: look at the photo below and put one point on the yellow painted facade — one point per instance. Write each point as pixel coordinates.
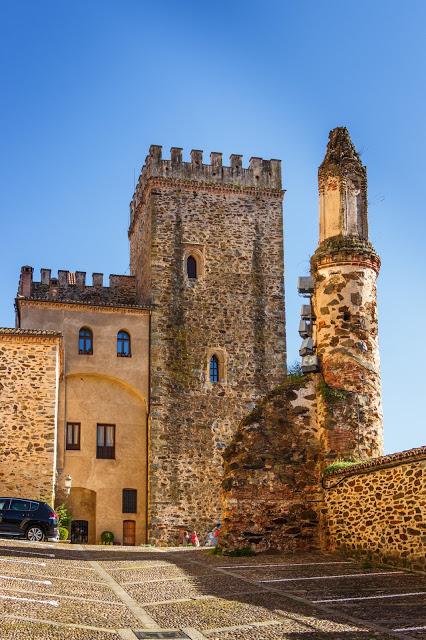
(101, 388)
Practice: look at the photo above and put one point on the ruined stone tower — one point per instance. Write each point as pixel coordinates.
(207, 252)
(345, 268)
(273, 495)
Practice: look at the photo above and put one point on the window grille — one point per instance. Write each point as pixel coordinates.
(123, 344)
(85, 341)
(214, 369)
(130, 497)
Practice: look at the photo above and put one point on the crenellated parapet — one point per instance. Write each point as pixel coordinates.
(260, 175)
(71, 286)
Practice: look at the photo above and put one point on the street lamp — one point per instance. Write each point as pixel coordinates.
(67, 484)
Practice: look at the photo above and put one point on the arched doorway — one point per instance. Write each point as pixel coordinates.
(129, 533)
(82, 505)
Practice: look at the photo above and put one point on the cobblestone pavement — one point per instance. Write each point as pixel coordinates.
(66, 592)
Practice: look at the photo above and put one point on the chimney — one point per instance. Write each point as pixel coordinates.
(80, 278)
(63, 278)
(25, 281)
(45, 276)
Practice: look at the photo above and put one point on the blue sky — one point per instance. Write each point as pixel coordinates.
(86, 87)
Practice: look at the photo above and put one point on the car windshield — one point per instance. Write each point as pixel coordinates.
(3, 503)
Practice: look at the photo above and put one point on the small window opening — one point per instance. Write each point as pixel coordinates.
(214, 369)
(130, 497)
(73, 436)
(191, 267)
(85, 342)
(123, 344)
(346, 316)
(105, 441)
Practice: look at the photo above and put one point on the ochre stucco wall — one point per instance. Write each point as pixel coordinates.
(106, 389)
(380, 509)
(29, 371)
(92, 400)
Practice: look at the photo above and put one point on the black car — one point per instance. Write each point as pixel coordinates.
(30, 518)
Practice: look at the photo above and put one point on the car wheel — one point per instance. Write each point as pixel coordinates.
(35, 533)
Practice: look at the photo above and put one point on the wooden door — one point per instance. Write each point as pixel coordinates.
(129, 533)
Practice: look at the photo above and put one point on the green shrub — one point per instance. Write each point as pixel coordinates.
(330, 395)
(107, 537)
(63, 533)
(243, 551)
(64, 516)
(216, 551)
(339, 464)
(295, 374)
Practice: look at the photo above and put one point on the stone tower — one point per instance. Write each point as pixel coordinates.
(206, 244)
(345, 268)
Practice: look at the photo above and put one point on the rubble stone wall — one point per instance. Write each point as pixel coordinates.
(379, 508)
(350, 410)
(272, 493)
(235, 308)
(29, 371)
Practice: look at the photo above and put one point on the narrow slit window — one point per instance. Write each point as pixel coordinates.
(123, 345)
(191, 267)
(85, 342)
(214, 369)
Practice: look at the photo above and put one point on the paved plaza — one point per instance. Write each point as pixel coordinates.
(68, 592)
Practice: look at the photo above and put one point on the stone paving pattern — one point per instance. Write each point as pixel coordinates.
(209, 596)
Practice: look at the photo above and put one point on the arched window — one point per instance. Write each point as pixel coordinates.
(85, 342)
(214, 368)
(123, 344)
(191, 267)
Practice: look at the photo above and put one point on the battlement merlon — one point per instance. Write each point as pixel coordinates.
(261, 174)
(71, 285)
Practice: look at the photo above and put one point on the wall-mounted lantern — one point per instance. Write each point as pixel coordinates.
(67, 484)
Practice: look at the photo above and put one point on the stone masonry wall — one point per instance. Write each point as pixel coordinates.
(234, 309)
(350, 411)
(379, 508)
(70, 286)
(29, 370)
(272, 494)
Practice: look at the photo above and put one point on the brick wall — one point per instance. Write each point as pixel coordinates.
(29, 369)
(379, 507)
